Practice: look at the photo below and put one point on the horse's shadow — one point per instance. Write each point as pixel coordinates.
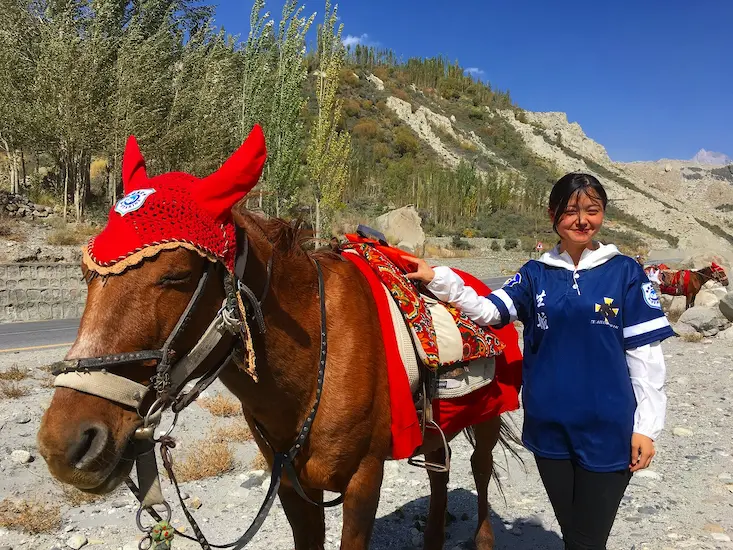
(397, 530)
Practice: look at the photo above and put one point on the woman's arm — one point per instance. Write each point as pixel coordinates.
(647, 371)
(449, 287)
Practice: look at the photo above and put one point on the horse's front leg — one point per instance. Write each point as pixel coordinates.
(360, 504)
(307, 521)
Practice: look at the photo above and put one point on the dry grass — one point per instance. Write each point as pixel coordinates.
(71, 234)
(9, 231)
(11, 390)
(206, 458)
(14, 374)
(259, 462)
(29, 516)
(237, 432)
(692, 337)
(76, 497)
(221, 406)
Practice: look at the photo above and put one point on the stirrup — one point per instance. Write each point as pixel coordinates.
(433, 466)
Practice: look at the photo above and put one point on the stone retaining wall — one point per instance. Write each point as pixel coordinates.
(39, 292)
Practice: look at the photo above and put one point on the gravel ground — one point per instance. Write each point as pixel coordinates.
(684, 501)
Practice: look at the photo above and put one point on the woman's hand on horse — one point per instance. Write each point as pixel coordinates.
(423, 272)
(642, 452)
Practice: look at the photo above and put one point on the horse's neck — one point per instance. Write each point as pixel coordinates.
(286, 355)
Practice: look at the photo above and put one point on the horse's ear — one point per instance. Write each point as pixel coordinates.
(134, 175)
(220, 191)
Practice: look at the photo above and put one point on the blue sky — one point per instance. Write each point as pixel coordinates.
(647, 79)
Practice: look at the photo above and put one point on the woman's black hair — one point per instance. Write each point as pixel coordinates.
(567, 186)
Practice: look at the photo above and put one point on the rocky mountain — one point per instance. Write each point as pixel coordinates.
(682, 207)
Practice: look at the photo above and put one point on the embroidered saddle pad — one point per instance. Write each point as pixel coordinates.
(442, 335)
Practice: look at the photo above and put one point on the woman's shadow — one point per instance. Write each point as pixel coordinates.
(402, 528)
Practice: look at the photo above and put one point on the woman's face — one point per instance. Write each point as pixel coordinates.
(581, 220)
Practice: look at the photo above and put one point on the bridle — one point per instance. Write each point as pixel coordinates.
(172, 372)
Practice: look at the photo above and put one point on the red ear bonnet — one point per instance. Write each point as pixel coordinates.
(134, 175)
(220, 191)
(176, 210)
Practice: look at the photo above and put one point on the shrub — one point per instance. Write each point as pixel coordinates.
(221, 405)
(401, 94)
(348, 77)
(405, 141)
(476, 114)
(381, 151)
(495, 246)
(460, 243)
(366, 128)
(511, 244)
(11, 390)
(351, 107)
(207, 458)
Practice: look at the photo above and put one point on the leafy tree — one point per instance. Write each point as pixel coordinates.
(329, 148)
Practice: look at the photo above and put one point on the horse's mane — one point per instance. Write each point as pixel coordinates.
(291, 238)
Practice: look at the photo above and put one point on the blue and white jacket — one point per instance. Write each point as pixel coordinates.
(593, 369)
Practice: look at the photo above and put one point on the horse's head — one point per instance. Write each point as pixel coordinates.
(155, 283)
(719, 274)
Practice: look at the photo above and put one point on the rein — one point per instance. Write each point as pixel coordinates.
(90, 375)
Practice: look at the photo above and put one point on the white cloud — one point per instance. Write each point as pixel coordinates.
(354, 40)
(474, 71)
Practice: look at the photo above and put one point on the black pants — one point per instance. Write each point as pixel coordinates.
(585, 502)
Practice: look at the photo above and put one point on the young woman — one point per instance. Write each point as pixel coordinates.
(593, 370)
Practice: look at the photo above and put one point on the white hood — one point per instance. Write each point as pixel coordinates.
(588, 260)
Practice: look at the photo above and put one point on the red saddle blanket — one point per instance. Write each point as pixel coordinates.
(675, 283)
(452, 415)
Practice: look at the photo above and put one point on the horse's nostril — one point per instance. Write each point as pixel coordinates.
(89, 446)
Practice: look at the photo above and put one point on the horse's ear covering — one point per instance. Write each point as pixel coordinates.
(134, 175)
(220, 191)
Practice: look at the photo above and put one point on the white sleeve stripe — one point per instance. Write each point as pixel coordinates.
(647, 326)
(504, 297)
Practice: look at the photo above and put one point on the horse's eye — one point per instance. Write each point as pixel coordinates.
(175, 278)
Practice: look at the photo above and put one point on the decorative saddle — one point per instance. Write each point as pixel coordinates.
(447, 343)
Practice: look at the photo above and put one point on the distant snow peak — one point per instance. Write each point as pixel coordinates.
(711, 157)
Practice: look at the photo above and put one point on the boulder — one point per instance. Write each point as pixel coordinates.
(402, 225)
(407, 247)
(673, 306)
(707, 298)
(681, 329)
(378, 84)
(705, 320)
(726, 306)
(726, 334)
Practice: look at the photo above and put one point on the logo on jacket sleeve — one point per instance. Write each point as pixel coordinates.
(132, 201)
(650, 296)
(514, 280)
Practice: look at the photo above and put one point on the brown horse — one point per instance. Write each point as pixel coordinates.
(688, 282)
(87, 441)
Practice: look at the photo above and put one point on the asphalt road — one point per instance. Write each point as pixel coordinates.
(16, 337)
(37, 335)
